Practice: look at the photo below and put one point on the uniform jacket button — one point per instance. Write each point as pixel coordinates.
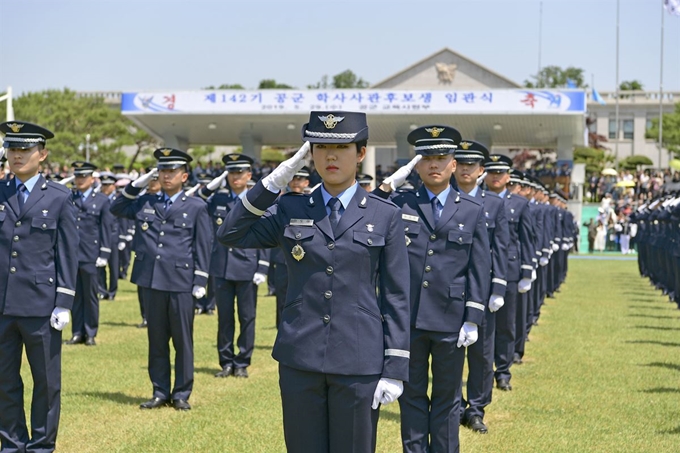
(12, 270)
(160, 246)
(433, 237)
(329, 270)
(426, 284)
(326, 319)
(328, 294)
(15, 238)
(158, 257)
(430, 252)
(370, 241)
(14, 254)
(428, 268)
(298, 235)
(18, 223)
(331, 245)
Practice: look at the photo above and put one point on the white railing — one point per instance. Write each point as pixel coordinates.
(637, 97)
(110, 97)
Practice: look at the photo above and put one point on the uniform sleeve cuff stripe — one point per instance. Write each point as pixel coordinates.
(527, 266)
(201, 274)
(546, 250)
(67, 291)
(397, 353)
(500, 281)
(104, 249)
(263, 263)
(476, 305)
(127, 195)
(250, 207)
(538, 253)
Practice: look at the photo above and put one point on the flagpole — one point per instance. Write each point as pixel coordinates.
(616, 152)
(661, 87)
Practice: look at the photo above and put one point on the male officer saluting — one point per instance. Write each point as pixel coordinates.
(342, 346)
(450, 265)
(94, 224)
(237, 272)
(38, 267)
(469, 157)
(172, 248)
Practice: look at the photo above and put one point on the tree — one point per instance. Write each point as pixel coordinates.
(631, 85)
(72, 117)
(200, 152)
(556, 77)
(595, 159)
(671, 131)
(269, 84)
(226, 86)
(346, 79)
(633, 162)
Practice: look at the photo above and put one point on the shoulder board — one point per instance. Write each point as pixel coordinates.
(59, 187)
(382, 200)
(295, 194)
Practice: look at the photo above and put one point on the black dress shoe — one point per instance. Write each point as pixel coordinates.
(241, 372)
(198, 311)
(142, 325)
(90, 342)
(181, 405)
(75, 339)
(517, 359)
(477, 425)
(227, 371)
(154, 403)
(504, 384)
(210, 312)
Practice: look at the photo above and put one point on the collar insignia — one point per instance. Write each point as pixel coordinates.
(434, 131)
(330, 121)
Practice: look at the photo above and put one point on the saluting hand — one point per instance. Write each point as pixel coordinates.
(217, 182)
(279, 178)
(398, 178)
(143, 180)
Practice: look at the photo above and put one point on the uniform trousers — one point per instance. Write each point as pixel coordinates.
(170, 316)
(328, 412)
(505, 333)
(280, 288)
(123, 261)
(431, 424)
(245, 293)
(207, 302)
(43, 350)
(521, 323)
(480, 357)
(109, 287)
(85, 312)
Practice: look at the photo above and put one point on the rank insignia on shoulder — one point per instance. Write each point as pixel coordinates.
(145, 226)
(298, 252)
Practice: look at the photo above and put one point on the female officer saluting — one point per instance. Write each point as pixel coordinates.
(342, 349)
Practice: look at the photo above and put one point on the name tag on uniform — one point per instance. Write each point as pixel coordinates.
(221, 208)
(301, 222)
(149, 211)
(410, 218)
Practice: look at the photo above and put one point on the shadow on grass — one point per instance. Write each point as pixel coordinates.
(207, 370)
(116, 397)
(661, 390)
(652, 316)
(391, 416)
(657, 328)
(671, 431)
(668, 366)
(266, 347)
(118, 324)
(660, 343)
(649, 307)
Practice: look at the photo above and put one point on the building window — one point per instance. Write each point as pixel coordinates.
(649, 124)
(628, 129)
(612, 129)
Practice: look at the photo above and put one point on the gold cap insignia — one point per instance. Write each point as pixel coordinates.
(330, 121)
(234, 157)
(434, 131)
(16, 127)
(465, 145)
(79, 164)
(495, 158)
(166, 152)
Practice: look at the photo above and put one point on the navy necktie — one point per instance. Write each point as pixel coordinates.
(21, 196)
(436, 209)
(168, 203)
(335, 205)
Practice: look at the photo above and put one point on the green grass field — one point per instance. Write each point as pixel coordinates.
(601, 374)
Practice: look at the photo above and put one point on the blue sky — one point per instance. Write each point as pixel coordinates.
(177, 44)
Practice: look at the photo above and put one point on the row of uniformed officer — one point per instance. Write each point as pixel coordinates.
(171, 265)
(38, 267)
(108, 282)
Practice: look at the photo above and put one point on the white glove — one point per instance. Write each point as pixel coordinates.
(565, 246)
(279, 178)
(143, 180)
(121, 246)
(259, 278)
(101, 262)
(217, 182)
(524, 285)
(496, 302)
(61, 317)
(2, 153)
(533, 276)
(198, 291)
(387, 391)
(128, 238)
(555, 247)
(543, 261)
(468, 334)
(481, 179)
(398, 178)
(65, 181)
(192, 191)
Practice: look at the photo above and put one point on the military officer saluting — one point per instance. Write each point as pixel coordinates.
(172, 248)
(237, 272)
(342, 346)
(94, 224)
(450, 264)
(38, 267)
